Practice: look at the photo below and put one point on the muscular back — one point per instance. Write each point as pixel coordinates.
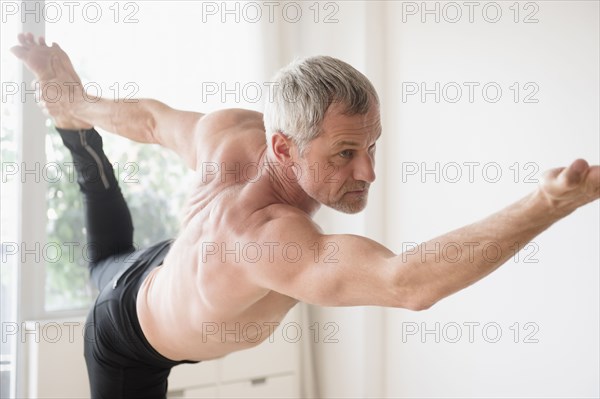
(203, 283)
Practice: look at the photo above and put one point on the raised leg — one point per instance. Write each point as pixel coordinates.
(108, 223)
(107, 219)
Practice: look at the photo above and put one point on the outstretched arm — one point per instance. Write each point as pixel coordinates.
(145, 121)
(349, 270)
(142, 120)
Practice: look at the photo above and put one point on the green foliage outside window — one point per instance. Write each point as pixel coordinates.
(153, 182)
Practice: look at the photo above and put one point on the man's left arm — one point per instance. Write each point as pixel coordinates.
(145, 121)
(141, 120)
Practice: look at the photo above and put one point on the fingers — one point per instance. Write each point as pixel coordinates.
(30, 39)
(27, 40)
(574, 174)
(550, 179)
(27, 44)
(19, 52)
(21, 38)
(563, 179)
(593, 182)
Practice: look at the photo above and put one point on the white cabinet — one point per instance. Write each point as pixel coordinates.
(55, 363)
(185, 375)
(56, 367)
(276, 387)
(201, 393)
(209, 392)
(269, 370)
(268, 358)
(270, 387)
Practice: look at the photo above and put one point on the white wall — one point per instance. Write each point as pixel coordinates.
(559, 293)
(349, 351)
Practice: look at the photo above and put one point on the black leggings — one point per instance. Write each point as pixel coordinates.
(121, 363)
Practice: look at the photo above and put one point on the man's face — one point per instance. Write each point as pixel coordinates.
(338, 166)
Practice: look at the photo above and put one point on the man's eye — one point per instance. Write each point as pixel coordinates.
(346, 153)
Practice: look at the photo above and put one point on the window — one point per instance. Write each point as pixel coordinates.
(128, 55)
(9, 208)
(152, 182)
(135, 59)
(151, 178)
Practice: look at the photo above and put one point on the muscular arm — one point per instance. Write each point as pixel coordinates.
(359, 271)
(474, 251)
(143, 120)
(447, 264)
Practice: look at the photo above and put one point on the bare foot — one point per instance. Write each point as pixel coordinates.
(60, 87)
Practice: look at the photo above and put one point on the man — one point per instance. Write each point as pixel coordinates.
(321, 131)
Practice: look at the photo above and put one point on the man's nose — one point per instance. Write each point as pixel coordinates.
(365, 169)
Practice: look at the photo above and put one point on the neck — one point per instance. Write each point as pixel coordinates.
(282, 188)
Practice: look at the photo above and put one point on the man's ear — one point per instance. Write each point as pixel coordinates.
(282, 147)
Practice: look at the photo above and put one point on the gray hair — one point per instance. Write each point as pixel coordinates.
(304, 90)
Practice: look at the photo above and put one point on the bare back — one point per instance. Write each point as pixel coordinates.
(201, 290)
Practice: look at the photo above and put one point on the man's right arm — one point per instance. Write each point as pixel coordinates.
(348, 270)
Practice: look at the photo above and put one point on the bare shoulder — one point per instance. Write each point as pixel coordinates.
(312, 267)
(286, 224)
(283, 213)
(225, 119)
(229, 135)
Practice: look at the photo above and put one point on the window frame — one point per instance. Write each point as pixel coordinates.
(32, 220)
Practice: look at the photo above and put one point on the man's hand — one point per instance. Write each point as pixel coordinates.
(59, 85)
(140, 120)
(566, 189)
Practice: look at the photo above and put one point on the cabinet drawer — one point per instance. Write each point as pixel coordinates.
(206, 392)
(186, 375)
(268, 358)
(269, 387)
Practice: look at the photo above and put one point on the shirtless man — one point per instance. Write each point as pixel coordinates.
(152, 308)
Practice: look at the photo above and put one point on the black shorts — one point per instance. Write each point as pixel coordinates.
(121, 363)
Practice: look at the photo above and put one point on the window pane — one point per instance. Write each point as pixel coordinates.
(151, 178)
(152, 181)
(67, 284)
(126, 53)
(9, 206)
